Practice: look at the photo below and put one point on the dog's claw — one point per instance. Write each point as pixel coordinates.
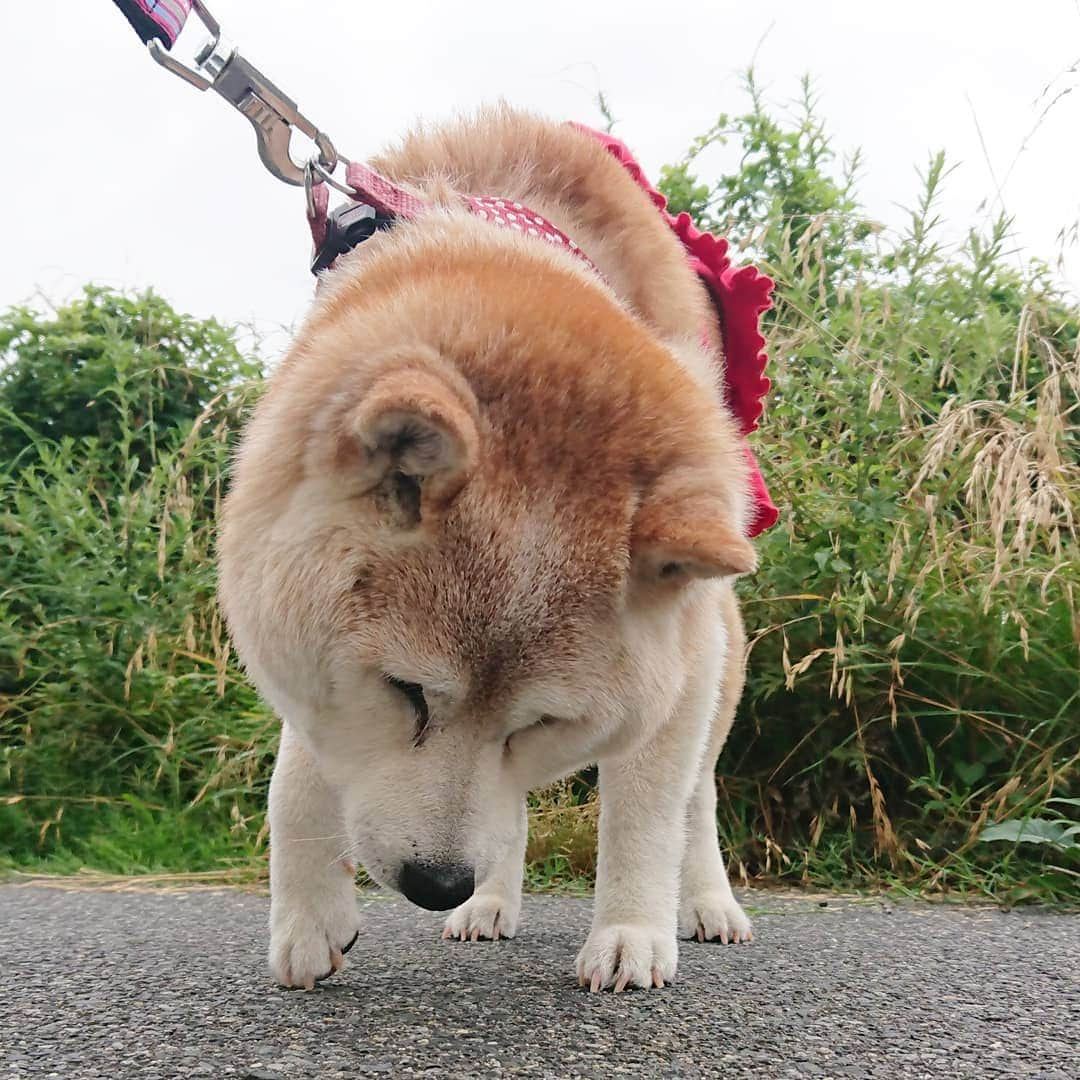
(730, 936)
(446, 935)
(485, 916)
(713, 915)
(594, 986)
(657, 981)
(623, 982)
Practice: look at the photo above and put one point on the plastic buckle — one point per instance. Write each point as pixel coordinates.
(347, 226)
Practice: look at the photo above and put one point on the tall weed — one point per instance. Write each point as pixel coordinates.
(915, 629)
(127, 737)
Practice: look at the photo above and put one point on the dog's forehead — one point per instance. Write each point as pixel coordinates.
(499, 593)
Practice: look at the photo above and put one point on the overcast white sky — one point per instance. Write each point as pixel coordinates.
(114, 171)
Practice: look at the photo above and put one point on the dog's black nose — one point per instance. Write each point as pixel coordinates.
(436, 886)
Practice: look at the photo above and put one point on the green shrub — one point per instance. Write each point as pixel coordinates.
(106, 361)
(913, 708)
(915, 630)
(126, 737)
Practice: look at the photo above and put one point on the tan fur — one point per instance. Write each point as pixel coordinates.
(485, 470)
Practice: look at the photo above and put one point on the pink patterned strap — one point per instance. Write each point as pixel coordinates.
(161, 19)
(388, 199)
(507, 214)
(317, 213)
(741, 295)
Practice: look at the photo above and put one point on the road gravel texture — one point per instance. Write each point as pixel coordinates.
(120, 984)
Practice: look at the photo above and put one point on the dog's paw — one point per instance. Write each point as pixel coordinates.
(487, 916)
(714, 916)
(626, 954)
(308, 946)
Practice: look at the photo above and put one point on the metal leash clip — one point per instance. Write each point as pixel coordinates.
(273, 115)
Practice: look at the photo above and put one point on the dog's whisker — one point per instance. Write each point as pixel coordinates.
(346, 855)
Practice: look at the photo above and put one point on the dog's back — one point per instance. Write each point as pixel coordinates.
(567, 176)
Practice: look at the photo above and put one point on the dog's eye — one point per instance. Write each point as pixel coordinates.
(543, 722)
(415, 693)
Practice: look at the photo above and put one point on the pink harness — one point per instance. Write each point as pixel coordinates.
(391, 204)
(739, 295)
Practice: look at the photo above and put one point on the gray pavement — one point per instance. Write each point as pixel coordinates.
(173, 984)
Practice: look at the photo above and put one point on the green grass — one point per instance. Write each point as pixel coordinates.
(913, 695)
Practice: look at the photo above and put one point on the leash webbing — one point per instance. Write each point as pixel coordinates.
(160, 19)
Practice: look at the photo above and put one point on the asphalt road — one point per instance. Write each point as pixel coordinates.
(173, 984)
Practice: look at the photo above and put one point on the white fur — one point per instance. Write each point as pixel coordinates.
(337, 793)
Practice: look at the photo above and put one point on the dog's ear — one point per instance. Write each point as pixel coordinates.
(689, 537)
(416, 428)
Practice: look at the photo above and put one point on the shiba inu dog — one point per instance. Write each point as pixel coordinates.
(482, 531)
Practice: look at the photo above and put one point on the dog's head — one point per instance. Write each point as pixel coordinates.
(460, 549)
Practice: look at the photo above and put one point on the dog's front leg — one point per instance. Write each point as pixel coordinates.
(643, 800)
(492, 911)
(313, 918)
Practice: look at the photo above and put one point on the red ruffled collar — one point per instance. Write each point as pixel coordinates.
(741, 295)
